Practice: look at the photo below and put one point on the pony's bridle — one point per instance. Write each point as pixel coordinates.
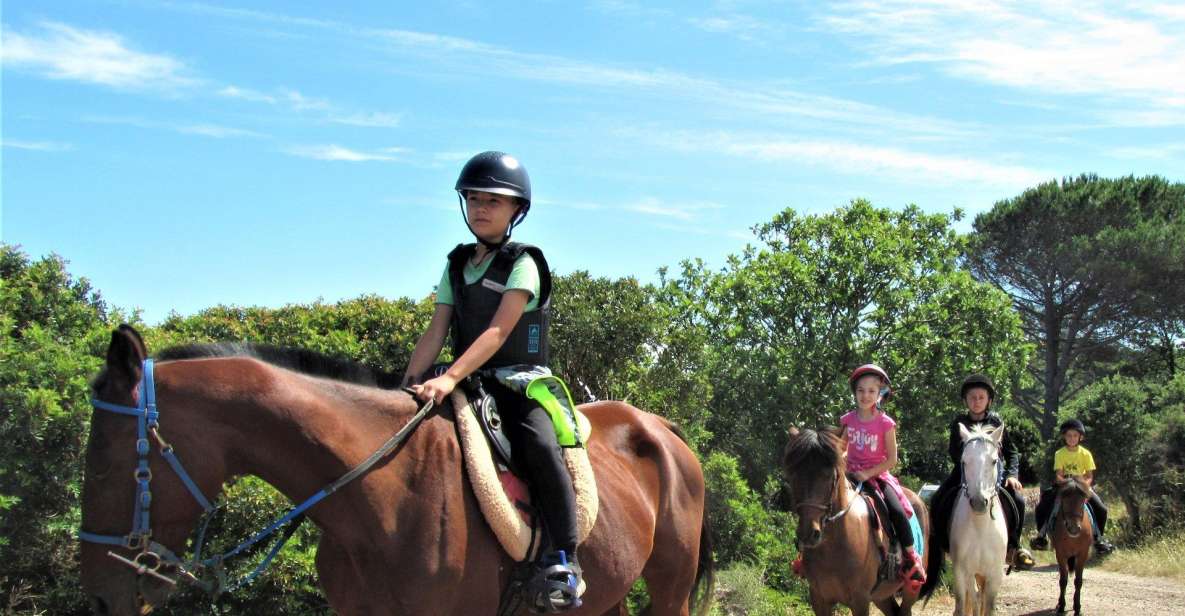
(1064, 517)
(830, 515)
(152, 555)
(963, 471)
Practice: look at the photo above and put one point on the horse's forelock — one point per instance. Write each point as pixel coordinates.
(811, 452)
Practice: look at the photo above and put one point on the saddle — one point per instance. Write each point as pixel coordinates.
(502, 497)
(891, 553)
(486, 411)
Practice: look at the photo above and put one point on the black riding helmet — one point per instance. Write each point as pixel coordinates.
(978, 380)
(1073, 424)
(498, 173)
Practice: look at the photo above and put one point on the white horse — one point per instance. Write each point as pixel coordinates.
(979, 533)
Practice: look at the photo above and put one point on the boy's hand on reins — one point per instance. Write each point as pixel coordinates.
(436, 389)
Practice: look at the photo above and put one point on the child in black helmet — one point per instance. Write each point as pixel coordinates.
(978, 393)
(493, 298)
(1073, 460)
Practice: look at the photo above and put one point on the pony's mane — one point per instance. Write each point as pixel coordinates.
(812, 451)
(300, 360)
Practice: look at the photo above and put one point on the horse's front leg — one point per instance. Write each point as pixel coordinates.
(1063, 573)
(1081, 564)
(889, 607)
(820, 604)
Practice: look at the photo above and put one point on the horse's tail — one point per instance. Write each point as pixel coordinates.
(705, 572)
(935, 561)
(700, 601)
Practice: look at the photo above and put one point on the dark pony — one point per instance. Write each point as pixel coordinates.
(405, 537)
(837, 535)
(1072, 538)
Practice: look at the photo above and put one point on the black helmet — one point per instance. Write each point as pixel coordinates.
(498, 173)
(1073, 424)
(501, 174)
(978, 380)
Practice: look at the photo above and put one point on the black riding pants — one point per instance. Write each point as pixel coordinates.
(539, 456)
(1049, 497)
(897, 516)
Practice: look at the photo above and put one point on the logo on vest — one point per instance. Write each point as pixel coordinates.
(533, 335)
(490, 284)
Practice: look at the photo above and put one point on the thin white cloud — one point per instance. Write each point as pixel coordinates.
(1153, 152)
(844, 157)
(247, 94)
(335, 152)
(215, 131)
(743, 27)
(59, 51)
(1130, 50)
(372, 119)
(462, 55)
(203, 130)
(39, 146)
(683, 211)
(575, 205)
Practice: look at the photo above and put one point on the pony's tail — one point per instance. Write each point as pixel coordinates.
(705, 573)
(935, 561)
(699, 602)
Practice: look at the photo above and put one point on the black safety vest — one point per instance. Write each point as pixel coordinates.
(474, 306)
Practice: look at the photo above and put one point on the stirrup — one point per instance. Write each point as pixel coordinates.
(556, 585)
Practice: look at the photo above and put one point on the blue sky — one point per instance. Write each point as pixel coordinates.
(182, 155)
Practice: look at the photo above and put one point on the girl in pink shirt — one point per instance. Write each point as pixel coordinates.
(872, 453)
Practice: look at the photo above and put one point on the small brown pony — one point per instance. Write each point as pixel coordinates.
(405, 538)
(840, 548)
(1072, 537)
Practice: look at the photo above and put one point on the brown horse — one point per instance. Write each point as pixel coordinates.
(405, 538)
(838, 541)
(1072, 535)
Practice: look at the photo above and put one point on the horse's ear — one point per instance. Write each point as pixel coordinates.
(998, 435)
(964, 433)
(793, 431)
(125, 355)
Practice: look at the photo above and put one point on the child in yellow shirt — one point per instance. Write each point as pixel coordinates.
(1073, 460)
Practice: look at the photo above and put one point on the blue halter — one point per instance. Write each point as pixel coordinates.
(151, 553)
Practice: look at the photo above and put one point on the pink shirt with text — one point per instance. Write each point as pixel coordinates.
(866, 439)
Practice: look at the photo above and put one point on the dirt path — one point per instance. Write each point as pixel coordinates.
(1034, 593)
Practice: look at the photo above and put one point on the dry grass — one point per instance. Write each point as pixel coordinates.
(1162, 557)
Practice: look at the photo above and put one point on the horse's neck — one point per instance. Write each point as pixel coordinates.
(305, 433)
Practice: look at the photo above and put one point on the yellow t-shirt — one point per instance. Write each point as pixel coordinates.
(1077, 462)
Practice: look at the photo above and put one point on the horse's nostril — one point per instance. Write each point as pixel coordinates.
(98, 605)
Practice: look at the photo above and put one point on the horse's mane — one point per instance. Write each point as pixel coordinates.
(812, 451)
(300, 360)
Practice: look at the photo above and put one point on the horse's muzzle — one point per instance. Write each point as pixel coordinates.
(979, 504)
(810, 539)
